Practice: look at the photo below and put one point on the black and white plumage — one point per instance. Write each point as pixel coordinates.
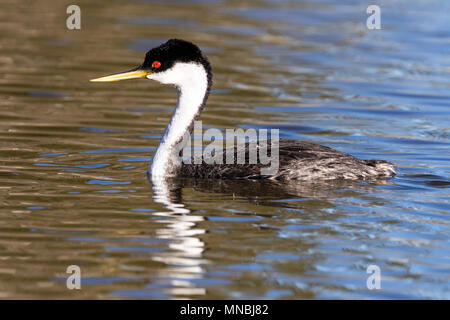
(182, 64)
(298, 160)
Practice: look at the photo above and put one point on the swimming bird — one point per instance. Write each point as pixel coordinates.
(182, 64)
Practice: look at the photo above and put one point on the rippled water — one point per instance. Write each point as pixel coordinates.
(74, 155)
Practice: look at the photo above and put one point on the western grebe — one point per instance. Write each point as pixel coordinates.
(181, 63)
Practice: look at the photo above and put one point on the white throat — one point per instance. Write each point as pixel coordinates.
(191, 80)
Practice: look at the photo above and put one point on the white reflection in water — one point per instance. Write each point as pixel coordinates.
(185, 259)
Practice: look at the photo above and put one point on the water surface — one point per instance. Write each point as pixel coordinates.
(74, 155)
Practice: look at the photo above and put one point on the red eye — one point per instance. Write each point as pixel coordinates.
(156, 64)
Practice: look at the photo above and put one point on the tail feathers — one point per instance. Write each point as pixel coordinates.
(384, 168)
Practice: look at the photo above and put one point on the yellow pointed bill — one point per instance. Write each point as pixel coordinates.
(135, 74)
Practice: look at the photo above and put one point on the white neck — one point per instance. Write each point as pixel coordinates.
(191, 79)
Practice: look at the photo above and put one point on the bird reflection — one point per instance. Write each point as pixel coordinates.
(273, 192)
(180, 228)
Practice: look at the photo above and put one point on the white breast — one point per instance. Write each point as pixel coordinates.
(191, 79)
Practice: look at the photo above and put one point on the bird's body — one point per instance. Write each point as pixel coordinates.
(298, 160)
(182, 64)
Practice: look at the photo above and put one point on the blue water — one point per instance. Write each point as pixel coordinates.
(74, 155)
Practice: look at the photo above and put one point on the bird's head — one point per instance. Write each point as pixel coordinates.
(176, 62)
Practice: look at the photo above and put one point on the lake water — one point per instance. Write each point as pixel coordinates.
(74, 154)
